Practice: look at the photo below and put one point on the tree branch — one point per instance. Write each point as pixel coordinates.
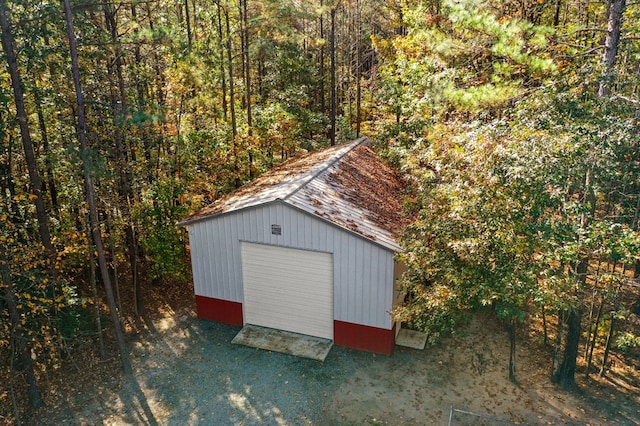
(626, 98)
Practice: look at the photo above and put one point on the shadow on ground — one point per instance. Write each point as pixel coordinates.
(187, 372)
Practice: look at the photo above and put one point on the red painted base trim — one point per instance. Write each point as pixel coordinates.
(219, 310)
(364, 337)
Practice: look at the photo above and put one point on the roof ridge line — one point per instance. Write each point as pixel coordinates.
(356, 143)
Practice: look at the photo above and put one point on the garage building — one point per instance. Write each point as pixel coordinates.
(307, 247)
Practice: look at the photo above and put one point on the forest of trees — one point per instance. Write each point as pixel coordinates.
(516, 125)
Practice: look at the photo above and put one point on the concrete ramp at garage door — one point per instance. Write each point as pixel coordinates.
(284, 342)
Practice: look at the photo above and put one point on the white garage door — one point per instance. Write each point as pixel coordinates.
(288, 289)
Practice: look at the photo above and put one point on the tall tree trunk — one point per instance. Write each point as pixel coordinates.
(565, 376)
(511, 327)
(160, 85)
(321, 67)
(556, 15)
(125, 192)
(223, 77)
(247, 79)
(187, 20)
(241, 23)
(594, 337)
(332, 49)
(142, 90)
(25, 133)
(612, 328)
(591, 310)
(358, 68)
(557, 349)
(611, 43)
(607, 348)
(232, 103)
(44, 135)
(94, 289)
(545, 329)
(90, 191)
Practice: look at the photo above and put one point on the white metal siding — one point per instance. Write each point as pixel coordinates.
(288, 289)
(362, 274)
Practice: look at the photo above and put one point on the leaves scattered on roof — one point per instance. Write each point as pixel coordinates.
(373, 186)
(276, 181)
(347, 185)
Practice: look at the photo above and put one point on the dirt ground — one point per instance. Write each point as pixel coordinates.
(186, 371)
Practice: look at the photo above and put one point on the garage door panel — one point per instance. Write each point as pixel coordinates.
(288, 289)
(286, 268)
(282, 286)
(266, 298)
(267, 301)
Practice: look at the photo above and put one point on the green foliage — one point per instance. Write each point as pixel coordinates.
(627, 341)
(466, 59)
(162, 207)
(44, 304)
(475, 242)
(75, 320)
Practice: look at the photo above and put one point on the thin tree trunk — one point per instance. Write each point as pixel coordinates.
(223, 77)
(142, 89)
(358, 69)
(194, 19)
(321, 68)
(556, 15)
(160, 85)
(125, 192)
(234, 128)
(557, 351)
(187, 22)
(612, 330)
(593, 304)
(247, 78)
(593, 338)
(544, 326)
(51, 182)
(589, 325)
(611, 43)
(94, 289)
(332, 49)
(511, 327)
(242, 63)
(232, 104)
(25, 133)
(90, 191)
(116, 286)
(607, 348)
(7, 183)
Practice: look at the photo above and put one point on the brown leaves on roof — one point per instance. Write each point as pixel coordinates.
(373, 186)
(289, 171)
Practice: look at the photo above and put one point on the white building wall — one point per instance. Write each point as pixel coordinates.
(363, 271)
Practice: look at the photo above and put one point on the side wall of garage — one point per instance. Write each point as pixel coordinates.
(363, 271)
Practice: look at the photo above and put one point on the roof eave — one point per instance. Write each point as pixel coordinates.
(190, 221)
(396, 248)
